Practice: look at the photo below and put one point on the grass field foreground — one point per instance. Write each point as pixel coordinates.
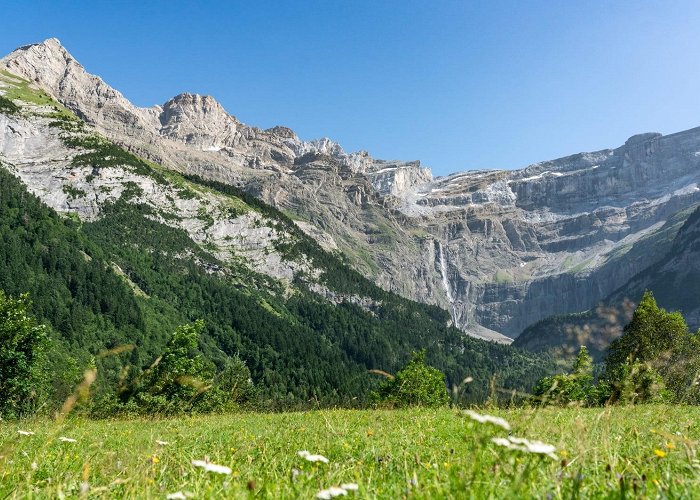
(641, 451)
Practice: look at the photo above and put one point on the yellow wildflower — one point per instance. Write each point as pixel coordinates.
(659, 453)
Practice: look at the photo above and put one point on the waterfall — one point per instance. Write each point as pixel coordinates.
(446, 284)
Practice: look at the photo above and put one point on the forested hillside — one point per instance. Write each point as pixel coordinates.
(127, 278)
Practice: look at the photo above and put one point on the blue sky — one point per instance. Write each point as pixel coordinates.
(457, 84)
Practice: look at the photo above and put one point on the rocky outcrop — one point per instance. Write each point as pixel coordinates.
(498, 249)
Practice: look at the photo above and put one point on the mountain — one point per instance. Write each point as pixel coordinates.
(115, 250)
(674, 280)
(500, 250)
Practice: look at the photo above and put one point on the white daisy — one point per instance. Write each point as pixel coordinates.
(312, 458)
(522, 444)
(488, 419)
(178, 495)
(25, 433)
(209, 467)
(162, 443)
(331, 492)
(350, 486)
(64, 439)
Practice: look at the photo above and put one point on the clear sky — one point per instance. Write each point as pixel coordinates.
(457, 84)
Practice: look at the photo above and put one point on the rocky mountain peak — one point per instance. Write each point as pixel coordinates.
(203, 106)
(197, 119)
(499, 249)
(51, 49)
(639, 138)
(45, 62)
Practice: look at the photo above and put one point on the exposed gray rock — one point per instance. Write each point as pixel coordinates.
(499, 249)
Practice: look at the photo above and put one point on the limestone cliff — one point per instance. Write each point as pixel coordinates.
(500, 250)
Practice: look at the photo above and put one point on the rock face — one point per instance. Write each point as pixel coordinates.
(500, 250)
(674, 280)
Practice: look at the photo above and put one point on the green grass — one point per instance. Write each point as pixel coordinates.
(20, 89)
(389, 454)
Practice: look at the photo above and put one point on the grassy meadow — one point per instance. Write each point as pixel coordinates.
(615, 452)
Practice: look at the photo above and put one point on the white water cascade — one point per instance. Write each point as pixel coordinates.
(446, 284)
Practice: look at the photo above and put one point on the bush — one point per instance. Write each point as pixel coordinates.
(575, 387)
(23, 343)
(183, 381)
(639, 382)
(416, 384)
(656, 358)
(7, 106)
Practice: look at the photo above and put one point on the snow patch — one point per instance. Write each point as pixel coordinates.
(387, 169)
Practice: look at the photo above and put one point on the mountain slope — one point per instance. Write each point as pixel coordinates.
(674, 280)
(500, 250)
(143, 249)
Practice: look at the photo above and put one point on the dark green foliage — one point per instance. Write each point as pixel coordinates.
(416, 384)
(298, 348)
(103, 153)
(71, 285)
(180, 379)
(577, 387)
(66, 121)
(7, 106)
(639, 382)
(651, 333)
(656, 358)
(303, 347)
(73, 192)
(23, 343)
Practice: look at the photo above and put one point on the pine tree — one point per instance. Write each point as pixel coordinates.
(651, 336)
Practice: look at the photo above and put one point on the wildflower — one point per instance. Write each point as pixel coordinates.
(670, 445)
(337, 491)
(312, 458)
(331, 492)
(35, 466)
(522, 444)
(178, 495)
(488, 419)
(155, 459)
(162, 443)
(25, 433)
(64, 439)
(659, 453)
(209, 467)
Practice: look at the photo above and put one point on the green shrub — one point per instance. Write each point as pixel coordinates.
(656, 358)
(183, 381)
(575, 387)
(416, 384)
(7, 106)
(22, 347)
